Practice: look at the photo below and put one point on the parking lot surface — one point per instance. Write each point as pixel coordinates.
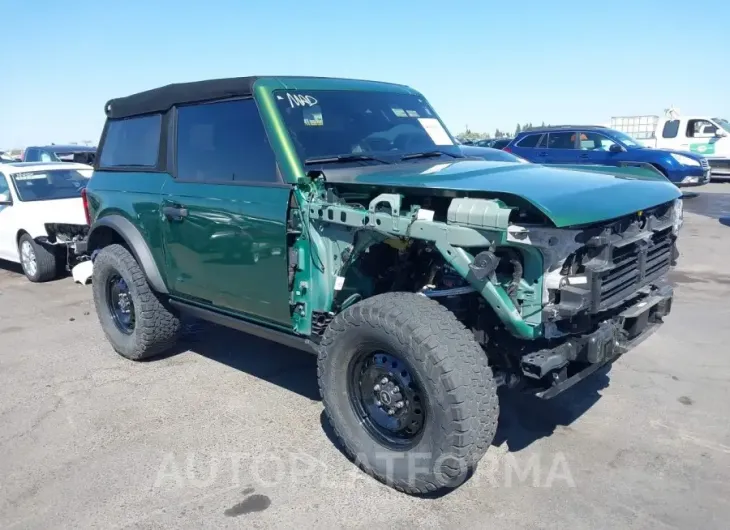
(229, 431)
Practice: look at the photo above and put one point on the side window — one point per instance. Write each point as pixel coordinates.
(671, 128)
(530, 140)
(561, 140)
(4, 189)
(700, 129)
(46, 156)
(30, 155)
(131, 142)
(591, 141)
(223, 142)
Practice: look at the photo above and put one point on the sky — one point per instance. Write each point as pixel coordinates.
(482, 64)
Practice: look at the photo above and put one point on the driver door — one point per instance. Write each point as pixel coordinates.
(595, 149)
(224, 214)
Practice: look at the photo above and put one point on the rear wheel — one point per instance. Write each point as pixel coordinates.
(38, 262)
(137, 321)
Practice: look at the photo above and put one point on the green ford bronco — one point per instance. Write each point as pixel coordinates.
(340, 217)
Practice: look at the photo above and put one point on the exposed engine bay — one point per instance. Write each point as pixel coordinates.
(548, 305)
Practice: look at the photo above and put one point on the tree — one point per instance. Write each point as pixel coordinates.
(518, 129)
(471, 136)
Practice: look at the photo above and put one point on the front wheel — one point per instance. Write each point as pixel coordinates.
(38, 262)
(137, 321)
(408, 391)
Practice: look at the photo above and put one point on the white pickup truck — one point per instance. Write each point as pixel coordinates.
(704, 135)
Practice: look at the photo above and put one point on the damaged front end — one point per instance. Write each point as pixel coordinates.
(605, 290)
(548, 305)
(69, 240)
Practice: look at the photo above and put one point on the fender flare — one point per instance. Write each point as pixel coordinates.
(136, 244)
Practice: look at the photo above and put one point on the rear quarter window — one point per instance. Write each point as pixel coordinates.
(530, 140)
(131, 142)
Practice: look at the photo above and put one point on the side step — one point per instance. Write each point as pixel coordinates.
(286, 339)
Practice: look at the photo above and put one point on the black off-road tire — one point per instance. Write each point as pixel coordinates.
(45, 260)
(451, 367)
(156, 328)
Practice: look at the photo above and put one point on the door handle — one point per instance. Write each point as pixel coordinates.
(174, 213)
(583, 156)
(542, 153)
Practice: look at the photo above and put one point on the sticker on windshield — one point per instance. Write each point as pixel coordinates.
(436, 131)
(413, 114)
(301, 100)
(313, 117)
(30, 176)
(399, 112)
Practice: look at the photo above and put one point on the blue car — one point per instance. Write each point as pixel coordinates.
(596, 145)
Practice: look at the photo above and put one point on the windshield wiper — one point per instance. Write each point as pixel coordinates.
(429, 154)
(352, 157)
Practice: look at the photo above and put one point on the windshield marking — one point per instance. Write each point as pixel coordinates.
(301, 100)
(30, 176)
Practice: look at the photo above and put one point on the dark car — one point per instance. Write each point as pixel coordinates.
(80, 154)
(597, 145)
(494, 143)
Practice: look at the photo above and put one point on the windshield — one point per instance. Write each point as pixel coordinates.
(332, 123)
(722, 123)
(625, 139)
(50, 184)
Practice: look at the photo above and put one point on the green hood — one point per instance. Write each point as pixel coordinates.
(567, 197)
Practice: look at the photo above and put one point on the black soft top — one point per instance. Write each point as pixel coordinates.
(162, 98)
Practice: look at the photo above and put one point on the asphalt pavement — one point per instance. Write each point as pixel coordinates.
(229, 432)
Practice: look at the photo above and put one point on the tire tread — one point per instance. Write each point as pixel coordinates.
(453, 360)
(157, 327)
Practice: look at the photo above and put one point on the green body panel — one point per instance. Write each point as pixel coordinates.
(643, 170)
(209, 257)
(136, 197)
(230, 251)
(567, 197)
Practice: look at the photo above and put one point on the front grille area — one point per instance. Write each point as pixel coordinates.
(627, 266)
